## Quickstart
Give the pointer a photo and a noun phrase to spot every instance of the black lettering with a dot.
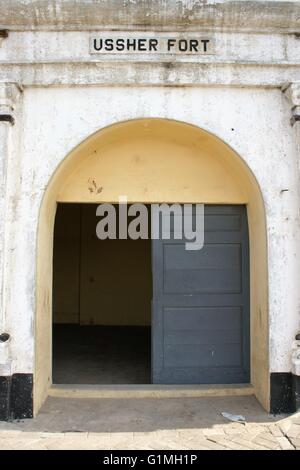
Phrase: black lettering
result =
(171, 43)
(142, 45)
(194, 45)
(153, 43)
(99, 46)
(131, 44)
(120, 45)
(205, 42)
(182, 44)
(109, 45)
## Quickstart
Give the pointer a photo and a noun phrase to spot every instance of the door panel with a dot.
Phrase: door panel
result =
(200, 307)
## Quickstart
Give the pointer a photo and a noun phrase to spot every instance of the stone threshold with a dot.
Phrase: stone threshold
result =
(149, 391)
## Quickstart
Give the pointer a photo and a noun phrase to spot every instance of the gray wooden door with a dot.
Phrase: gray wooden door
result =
(200, 306)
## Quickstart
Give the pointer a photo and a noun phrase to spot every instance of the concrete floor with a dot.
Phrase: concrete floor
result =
(101, 354)
(139, 423)
(152, 424)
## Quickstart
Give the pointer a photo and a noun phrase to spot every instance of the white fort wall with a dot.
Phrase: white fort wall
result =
(253, 122)
(58, 93)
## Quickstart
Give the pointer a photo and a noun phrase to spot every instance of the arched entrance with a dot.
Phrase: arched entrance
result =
(154, 160)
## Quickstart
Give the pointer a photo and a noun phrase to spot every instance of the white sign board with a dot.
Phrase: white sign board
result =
(151, 44)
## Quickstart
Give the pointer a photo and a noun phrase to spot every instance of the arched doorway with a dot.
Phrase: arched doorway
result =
(154, 160)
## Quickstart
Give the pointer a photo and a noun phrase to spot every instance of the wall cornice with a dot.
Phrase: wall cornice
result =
(256, 16)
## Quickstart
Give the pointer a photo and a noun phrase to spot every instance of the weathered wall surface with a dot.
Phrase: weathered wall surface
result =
(33, 14)
(68, 94)
(56, 120)
(62, 58)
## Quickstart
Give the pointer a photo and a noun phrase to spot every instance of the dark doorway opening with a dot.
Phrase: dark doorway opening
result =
(102, 292)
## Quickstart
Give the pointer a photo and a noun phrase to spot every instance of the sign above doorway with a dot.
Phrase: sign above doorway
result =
(151, 44)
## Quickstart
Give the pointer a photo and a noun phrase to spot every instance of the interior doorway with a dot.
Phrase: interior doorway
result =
(102, 293)
(110, 328)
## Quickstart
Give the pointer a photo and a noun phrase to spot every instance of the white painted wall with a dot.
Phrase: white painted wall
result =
(255, 122)
(25, 47)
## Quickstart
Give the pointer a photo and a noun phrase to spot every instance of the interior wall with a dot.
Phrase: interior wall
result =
(156, 160)
(98, 282)
(66, 264)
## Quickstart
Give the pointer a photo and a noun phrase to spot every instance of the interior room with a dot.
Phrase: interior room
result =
(102, 292)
